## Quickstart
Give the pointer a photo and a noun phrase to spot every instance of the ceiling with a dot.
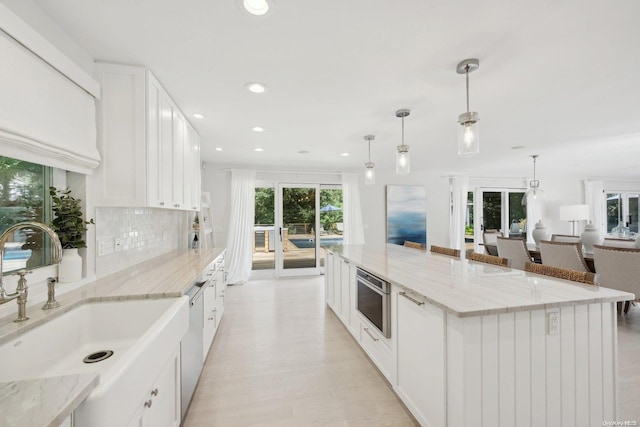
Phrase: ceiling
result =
(558, 78)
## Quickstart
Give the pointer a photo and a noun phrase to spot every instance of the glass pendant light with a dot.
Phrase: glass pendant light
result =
(369, 171)
(403, 161)
(534, 192)
(469, 131)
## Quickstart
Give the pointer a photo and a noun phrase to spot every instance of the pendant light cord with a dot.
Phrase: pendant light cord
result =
(402, 130)
(467, 73)
(369, 151)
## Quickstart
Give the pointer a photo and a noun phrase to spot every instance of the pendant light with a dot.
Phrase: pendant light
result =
(403, 161)
(468, 134)
(535, 192)
(369, 171)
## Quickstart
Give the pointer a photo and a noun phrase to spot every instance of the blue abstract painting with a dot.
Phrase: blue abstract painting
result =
(406, 214)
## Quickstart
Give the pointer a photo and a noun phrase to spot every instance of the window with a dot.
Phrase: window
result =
(264, 230)
(24, 196)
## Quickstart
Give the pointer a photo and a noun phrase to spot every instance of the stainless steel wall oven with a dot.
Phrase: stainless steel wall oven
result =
(374, 301)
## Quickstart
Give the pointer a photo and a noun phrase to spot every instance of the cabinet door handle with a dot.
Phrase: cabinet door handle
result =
(415, 301)
(213, 315)
(148, 403)
(194, 208)
(161, 203)
(176, 205)
(371, 335)
(154, 392)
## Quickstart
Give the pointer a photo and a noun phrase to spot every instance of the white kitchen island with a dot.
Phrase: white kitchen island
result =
(474, 344)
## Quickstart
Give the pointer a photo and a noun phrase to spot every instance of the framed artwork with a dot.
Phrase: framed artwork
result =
(406, 214)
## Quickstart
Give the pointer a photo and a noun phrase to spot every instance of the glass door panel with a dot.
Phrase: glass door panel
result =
(298, 230)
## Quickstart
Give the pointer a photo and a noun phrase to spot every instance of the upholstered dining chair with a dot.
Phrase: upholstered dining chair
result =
(488, 259)
(561, 273)
(414, 245)
(618, 268)
(619, 243)
(445, 251)
(563, 255)
(489, 238)
(565, 238)
(515, 250)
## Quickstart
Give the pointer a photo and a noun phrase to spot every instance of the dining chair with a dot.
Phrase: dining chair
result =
(619, 243)
(585, 277)
(565, 238)
(489, 238)
(488, 259)
(563, 255)
(515, 250)
(618, 268)
(445, 251)
(414, 245)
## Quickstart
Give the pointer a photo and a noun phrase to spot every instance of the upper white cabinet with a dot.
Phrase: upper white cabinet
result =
(151, 153)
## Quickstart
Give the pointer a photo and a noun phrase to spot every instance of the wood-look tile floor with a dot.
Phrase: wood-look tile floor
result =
(281, 358)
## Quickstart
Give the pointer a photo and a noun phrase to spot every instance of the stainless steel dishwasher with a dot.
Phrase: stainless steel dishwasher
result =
(191, 345)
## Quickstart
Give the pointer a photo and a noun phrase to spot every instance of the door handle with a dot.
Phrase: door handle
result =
(280, 229)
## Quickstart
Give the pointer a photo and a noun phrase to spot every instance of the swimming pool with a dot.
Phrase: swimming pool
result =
(311, 243)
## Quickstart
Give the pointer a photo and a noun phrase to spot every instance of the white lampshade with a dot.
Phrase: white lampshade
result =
(574, 212)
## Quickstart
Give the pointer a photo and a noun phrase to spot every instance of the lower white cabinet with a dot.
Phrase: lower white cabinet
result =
(421, 359)
(160, 406)
(210, 317)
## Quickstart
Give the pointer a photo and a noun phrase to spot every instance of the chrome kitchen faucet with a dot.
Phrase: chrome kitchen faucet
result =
(22, 290)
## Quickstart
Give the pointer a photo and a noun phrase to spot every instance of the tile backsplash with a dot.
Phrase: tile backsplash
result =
(128, 236)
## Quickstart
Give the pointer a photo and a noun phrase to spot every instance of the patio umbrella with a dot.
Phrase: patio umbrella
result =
(330, 208)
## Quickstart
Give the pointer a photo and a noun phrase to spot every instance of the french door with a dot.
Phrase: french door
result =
(499, 209)
(297, 225)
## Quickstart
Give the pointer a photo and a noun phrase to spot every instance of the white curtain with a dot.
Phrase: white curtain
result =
(351, 210)
(241, 219)
(594, 197)
(459, 188)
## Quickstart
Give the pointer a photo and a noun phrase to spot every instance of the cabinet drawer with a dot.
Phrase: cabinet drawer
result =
(376, 348)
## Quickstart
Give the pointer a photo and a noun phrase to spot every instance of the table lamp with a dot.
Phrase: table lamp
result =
(574, 213)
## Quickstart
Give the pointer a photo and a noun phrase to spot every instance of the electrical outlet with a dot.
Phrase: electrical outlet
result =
(118, 244)
(101, 248)
(553, 323)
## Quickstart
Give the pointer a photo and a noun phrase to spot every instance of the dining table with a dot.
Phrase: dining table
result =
(534, 252)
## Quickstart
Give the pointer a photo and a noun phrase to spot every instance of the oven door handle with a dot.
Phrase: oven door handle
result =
(372, 287)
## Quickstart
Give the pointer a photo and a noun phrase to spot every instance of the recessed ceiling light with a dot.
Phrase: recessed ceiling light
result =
(257, 129)
(258, 149)
(345, 154)
(218, 148)
(256, 87)
(256, 7)
(303, 152)
(517, 147)
(198, 116)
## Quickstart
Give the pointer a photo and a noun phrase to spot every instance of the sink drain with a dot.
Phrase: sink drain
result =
(98, 356)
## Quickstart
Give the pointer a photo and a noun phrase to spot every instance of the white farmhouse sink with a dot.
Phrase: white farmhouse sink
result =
(141, 333)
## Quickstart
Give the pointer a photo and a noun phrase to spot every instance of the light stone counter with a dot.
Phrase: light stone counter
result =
(468, 288)
(48, 401)
(43, 402)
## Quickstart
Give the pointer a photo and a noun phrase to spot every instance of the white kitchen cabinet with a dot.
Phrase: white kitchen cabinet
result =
(421, 358)
(160, 407)
(378, 348)
(210, 317)
(337, 286)
(328, 278)
(148, 147)
(345, 300)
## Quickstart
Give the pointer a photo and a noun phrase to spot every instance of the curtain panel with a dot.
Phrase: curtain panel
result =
(241, 222)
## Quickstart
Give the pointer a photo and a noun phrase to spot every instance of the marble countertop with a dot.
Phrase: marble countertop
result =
(48, 401)
(43, 402)
(468, 288)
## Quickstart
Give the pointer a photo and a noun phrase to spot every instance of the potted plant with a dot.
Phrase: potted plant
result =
(70, 226)
(196, 222)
